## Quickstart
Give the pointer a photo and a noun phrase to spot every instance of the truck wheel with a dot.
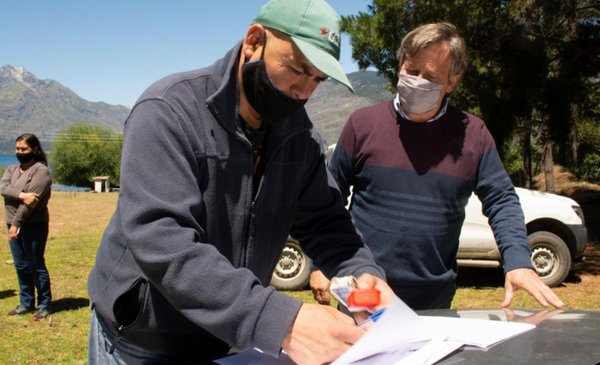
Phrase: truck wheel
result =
(550, 257)
(293, 269)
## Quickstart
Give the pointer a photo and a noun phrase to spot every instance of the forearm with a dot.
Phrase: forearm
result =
(324, 227)
(20, 217)
(6, 189)
(505, 216)
(335, 246)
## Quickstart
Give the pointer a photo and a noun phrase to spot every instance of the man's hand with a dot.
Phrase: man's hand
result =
(29, 199)
(529, 281)
(386, 295)
(368, 281)
(319, 335)
(319, 284)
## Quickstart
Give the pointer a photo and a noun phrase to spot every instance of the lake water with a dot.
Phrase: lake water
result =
(11, 159)
(7, 159)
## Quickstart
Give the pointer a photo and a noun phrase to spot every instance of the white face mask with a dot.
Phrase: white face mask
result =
(417, 95)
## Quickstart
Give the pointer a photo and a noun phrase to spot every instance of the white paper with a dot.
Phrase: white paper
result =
(476, 332)
(397, 326)
(401, 337)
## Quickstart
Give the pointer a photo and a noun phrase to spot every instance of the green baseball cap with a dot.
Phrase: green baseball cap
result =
(314, 27)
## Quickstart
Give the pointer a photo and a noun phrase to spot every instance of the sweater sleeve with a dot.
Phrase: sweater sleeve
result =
(502, 207)
(6, 189)
(40, 182)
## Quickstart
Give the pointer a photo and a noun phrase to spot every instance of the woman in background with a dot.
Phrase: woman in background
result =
(26, 191)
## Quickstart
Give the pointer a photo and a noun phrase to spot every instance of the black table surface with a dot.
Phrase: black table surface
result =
(560, 337)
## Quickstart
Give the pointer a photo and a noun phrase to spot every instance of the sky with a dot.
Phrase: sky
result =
(112, 50)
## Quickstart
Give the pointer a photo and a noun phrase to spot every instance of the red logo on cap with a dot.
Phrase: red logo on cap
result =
(331, 36)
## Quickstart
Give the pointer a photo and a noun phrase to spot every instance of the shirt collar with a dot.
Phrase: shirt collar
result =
(403, 115)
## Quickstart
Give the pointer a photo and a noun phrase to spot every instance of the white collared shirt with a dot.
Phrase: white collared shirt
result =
(403, 115)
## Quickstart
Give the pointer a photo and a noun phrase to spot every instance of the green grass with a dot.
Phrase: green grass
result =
(77, 223)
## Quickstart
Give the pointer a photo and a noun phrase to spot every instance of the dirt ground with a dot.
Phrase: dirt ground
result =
(584, 193)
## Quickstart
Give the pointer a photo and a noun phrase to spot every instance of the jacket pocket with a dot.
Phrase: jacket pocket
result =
(129, 306)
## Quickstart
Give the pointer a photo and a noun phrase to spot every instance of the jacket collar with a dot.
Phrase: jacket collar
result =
(224, 102)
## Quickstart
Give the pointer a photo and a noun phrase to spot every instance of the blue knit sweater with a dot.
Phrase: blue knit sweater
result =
(411, 182)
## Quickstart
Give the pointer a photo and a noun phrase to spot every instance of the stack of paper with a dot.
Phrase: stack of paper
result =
(401, 337)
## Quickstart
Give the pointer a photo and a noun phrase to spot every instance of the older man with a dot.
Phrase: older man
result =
(413, 163)
(219, 165)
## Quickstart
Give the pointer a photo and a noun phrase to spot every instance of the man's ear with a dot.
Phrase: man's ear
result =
(252, 40)
(453, 82)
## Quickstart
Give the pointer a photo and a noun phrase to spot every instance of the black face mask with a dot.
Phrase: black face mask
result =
(270, 103)
(25, 157)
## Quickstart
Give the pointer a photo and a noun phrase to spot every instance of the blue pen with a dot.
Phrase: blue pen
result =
(373, 317)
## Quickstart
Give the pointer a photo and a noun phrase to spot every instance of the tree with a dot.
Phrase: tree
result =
(533, 63)
(376, 36)
(83, 151)
(568, 32)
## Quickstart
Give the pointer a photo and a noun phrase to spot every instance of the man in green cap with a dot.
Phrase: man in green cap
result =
(219, 165)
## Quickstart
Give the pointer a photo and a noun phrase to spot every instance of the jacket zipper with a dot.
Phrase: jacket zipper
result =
(116, 340)
(250, 229)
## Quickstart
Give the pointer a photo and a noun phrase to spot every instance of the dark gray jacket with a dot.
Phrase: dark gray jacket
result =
(189, 254)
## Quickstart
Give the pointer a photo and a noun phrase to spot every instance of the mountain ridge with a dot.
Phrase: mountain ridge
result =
(47, 107)
(332, 103)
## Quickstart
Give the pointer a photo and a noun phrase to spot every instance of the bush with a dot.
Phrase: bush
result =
(83, 151)
(589, 169)
(589, 137)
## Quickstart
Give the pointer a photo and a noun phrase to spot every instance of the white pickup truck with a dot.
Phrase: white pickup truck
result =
(555, 227)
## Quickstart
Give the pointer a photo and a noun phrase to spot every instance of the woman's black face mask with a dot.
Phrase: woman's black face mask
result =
(270, 103)
(24, 157)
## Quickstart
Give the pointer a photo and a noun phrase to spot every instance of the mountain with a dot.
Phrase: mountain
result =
(332, 103)
(45, 107)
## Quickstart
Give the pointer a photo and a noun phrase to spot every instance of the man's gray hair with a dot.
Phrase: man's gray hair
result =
(427, 34)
